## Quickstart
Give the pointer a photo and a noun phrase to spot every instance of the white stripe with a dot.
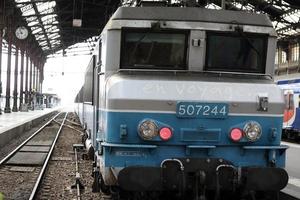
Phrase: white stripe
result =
(174, 112)
(255, 114)
(291, 144)
(139, 111)
(294, 181)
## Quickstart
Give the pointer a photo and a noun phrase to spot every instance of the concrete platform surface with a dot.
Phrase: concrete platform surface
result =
(293, 169)
(27, 158)
(12, 125)
(11, 120)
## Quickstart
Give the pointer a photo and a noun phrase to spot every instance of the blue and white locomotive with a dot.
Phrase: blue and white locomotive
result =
(182, 98)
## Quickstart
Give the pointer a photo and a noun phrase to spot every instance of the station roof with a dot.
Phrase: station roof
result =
(59, 24)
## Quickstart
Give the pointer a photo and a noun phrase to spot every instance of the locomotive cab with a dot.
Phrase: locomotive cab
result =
(184, 97)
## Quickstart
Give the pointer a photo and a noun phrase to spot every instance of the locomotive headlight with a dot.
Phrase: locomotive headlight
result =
(252, 131)
(147, 129)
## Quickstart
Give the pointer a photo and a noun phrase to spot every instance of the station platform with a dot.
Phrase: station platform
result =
(13, 124)
(293, 169)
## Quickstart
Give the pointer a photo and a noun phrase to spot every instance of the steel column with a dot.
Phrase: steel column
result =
(30, 84)
(33, 79)
(2, 25)
(41, 76)
(15, 93)
(37, 77)
(22, 76)
(37, 82)
(7, 108)
(26, 78)
(33, 85)
(1, 40)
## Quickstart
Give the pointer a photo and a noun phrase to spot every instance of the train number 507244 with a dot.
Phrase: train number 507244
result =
(201, 110)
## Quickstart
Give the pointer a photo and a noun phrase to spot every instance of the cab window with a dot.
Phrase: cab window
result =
(236, 52)
(148, 49)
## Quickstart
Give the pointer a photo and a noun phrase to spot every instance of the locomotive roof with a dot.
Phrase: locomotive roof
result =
(191, 14)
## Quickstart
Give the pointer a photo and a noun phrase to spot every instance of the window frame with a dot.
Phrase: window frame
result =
(88, 92)
(99, 57)
(124, 31)
(237, 35)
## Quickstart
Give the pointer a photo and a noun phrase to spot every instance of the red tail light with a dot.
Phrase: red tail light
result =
(236, 134)
(165, 133)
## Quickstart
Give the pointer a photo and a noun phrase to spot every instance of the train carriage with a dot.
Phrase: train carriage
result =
(183, 98)
(291, 121)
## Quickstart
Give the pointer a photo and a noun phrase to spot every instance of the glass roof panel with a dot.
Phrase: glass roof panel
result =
(33, 23)
(213, 6)
(26, 8)
(48, 17)
(42, 43)
(28, 12)
(47, 11)
(291, 18)
(30, 19)
(290, 32)
(53, 35)
(39, 37)
(42, 7)
(36, 30)
(22, 1)
(52, 28)
(41, 18)
(278, 25)
(243, 7)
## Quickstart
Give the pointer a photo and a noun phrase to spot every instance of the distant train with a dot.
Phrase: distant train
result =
(291, 122)
(182, 100)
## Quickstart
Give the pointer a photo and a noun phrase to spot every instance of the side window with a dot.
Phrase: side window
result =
(289, 101)
(99, 53)
(88, 82)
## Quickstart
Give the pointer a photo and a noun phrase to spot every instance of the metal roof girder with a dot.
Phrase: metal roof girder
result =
(39, 19)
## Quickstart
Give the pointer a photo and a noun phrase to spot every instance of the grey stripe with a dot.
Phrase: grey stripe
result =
(170, 106)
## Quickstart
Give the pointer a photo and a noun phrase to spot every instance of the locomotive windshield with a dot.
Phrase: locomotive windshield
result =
(236, 52)
(154, 50)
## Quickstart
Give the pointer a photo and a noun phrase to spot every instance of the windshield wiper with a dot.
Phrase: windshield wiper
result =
(249, 42)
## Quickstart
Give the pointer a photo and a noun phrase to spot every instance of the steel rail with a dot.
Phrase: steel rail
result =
(37, 183)
(21, 145)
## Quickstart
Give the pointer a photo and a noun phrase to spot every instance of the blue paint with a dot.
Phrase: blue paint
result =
(205, 126)
(283, 82)
(200, 135)
(124, 157)
(296, 123)
(216, 144)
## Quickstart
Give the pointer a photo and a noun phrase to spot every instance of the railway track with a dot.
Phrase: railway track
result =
(22, 170)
